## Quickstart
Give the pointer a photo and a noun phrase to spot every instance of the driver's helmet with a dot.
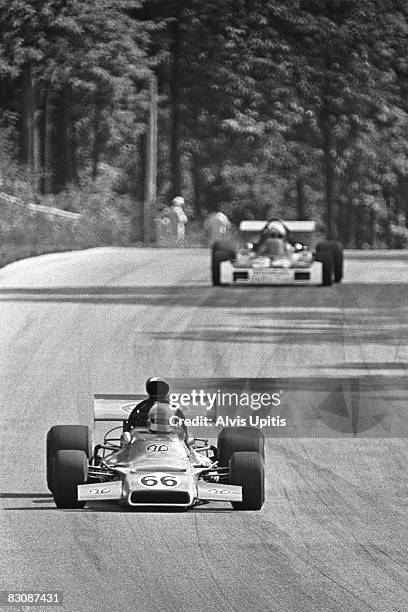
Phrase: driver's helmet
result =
(158, 419)
(275, 229)
(157, 388)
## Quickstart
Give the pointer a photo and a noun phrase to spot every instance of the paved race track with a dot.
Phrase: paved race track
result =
(333, 532)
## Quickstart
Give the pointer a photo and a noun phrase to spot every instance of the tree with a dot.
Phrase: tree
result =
(74, 63)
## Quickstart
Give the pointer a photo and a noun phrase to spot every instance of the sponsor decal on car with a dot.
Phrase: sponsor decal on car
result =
(219, 492)
(276, 274)
(99, 491)
(157, 448)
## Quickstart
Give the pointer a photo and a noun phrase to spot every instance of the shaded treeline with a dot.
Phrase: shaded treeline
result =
(295, 108)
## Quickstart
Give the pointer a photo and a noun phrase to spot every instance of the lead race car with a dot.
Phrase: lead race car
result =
(276, 252)
(152, 468)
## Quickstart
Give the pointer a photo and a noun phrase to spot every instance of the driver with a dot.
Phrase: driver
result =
(158, 393)
(157, 390)
(274, 240)
(159, 420)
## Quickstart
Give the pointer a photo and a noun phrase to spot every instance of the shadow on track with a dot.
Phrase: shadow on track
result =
(272, 334)
(372, 365)
(24, 495)
(392, 294)
(119, 510)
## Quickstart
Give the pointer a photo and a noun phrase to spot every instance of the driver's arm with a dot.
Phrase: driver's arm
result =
(138, 416)
(181, 416)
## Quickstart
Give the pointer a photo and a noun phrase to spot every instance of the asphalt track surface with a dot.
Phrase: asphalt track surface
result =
(333, 532)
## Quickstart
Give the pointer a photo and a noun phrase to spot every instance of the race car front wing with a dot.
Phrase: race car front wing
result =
(150, 490)
(234, 275)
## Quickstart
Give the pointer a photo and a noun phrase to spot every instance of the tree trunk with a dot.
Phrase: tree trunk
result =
(69, 159)
(360, 226)
(196, 178)
(50, 150)
(38, 117)
(64, 164)
(301, 198)
(27, 131)
(350, 227)
(149, 202)
(175, 123)
(96, 139)
(329, 179)
(373, 229)
(138, 193)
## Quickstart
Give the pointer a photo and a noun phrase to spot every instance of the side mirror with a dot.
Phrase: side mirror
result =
(190, 440)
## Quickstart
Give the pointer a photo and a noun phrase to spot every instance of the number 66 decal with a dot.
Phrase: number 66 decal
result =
(150, 480)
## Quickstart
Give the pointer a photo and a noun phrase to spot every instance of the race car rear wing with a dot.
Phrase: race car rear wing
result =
(115, 407)
(300, 230)
(293, 226)
(112, 407)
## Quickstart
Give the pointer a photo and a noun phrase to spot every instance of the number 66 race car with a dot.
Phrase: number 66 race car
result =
(278, 253)
(152, 468)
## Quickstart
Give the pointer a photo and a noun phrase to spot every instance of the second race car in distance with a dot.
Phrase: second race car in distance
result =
(276, 252)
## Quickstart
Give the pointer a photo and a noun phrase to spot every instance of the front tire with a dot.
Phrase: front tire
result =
(66, 437)
(237, 439)
(326, 258)
(70, 470)
(247, 470)
(222, 250)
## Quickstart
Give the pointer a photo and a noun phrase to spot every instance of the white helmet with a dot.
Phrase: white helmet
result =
(276, 229)
(178, 201)
(159, 418)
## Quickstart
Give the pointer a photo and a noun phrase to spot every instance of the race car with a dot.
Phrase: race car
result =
(144, 468)
(276, 252)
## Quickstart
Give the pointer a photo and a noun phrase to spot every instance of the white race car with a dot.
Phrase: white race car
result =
(145, 468)
(276, 252)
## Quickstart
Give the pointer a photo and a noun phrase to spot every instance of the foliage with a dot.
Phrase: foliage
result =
(295, 108)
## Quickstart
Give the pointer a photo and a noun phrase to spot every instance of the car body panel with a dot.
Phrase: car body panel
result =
(235, 274)
(114, 407)
(157, 469)
(219, 492)
(104, 491)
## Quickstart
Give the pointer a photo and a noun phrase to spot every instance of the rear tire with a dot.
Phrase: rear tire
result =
(66, 437)
(336, 249)
(338, 260)
(247, 470)
(70, 470)
(222, 250)
(236, 439)
(326, 258)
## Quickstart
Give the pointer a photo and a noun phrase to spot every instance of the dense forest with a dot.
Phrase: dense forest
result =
(295, 108)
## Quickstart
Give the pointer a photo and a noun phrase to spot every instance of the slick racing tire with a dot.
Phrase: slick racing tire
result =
(326, 258)
(247, 470)
(236, 439)
(66, 437)
(336, 249)
(222, 250)
(71, 470)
